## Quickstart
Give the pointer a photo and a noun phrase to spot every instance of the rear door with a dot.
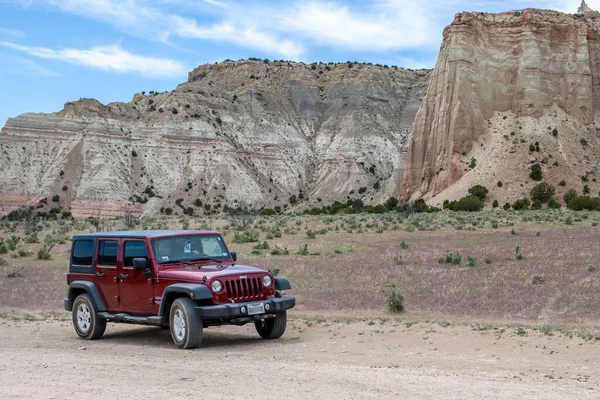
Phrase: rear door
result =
(106, 271)
(137, 290)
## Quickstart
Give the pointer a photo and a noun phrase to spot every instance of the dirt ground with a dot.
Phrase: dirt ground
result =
(41, 358)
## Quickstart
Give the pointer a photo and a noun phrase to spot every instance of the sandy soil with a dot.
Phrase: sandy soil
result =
(316, 358)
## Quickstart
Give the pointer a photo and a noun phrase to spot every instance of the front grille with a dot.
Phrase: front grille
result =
(244, 288)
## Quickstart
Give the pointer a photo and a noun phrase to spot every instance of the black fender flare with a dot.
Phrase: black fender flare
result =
(195, 291)
(282, 283)
(91, 289)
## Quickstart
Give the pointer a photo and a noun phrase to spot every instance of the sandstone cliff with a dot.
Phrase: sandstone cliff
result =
(502, 82)
(244, 131)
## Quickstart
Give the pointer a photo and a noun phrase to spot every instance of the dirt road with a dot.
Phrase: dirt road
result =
(44, 359)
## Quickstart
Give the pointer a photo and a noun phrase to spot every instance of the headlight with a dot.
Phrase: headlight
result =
(217, 286)
(267, 281)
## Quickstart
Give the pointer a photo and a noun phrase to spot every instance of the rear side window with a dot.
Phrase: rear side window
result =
(107, 252)
(134, 250)
(83, 251)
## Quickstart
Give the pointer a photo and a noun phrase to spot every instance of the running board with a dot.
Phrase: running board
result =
(134, 319)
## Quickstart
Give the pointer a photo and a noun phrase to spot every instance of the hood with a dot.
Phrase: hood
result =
(193, 273)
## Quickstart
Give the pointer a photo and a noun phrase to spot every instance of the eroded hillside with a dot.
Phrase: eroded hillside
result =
(245, 131)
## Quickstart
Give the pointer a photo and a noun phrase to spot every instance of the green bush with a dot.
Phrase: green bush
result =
(536, 172)
(246, 236)
(553, 204)
(469, 203)
(499, 183)
(536, 205)
(472, 163)
(478, 191)
(542, 192)
(394, 299)
(506, 206)
(521, 204)
(562, 183)
(579, 203)
(571, 194)
(495, 204)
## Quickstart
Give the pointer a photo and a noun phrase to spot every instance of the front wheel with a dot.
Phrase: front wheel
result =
(272, 328)
(86, 321)
(186, 327)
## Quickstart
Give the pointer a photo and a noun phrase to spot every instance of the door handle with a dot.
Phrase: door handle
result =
(123, 276)
(99, 274)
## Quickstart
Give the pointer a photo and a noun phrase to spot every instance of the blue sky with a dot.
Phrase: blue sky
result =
(55, 51)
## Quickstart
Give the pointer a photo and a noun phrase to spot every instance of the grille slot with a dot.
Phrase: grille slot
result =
(244, 289)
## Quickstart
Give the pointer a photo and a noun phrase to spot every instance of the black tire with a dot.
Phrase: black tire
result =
(186, 327)
(86, 321)
(272, 328)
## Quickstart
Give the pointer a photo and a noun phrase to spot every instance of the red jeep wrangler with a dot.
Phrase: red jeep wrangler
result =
(181, 280)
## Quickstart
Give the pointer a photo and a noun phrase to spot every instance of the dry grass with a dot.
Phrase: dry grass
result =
(352, 268)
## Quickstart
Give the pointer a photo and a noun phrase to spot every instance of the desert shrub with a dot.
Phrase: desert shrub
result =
(487, 260)
(584, 142)
(394, 299)
(3, 262)
(562, 183)
(518, 253)
(536, 172)
(246, 236)
(506, 206)
(278, 251)
(303, 251)
(451, 258)
(472, 163)
(404, 245)
(24, 252)
(44, 252)
(542, 192)
(521, 204)
(495, 204)
(274, 271)
(555, 132)
(133, 153)
(536, 205)
(571, 193)
(553, 204)
(3, 249)
(579, 203)
(472, 261)
(478, 191)
(469, 203)
(499, 184)
(537, 279)
(56, 198)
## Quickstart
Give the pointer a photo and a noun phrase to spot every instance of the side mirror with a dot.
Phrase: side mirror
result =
(140, 263)
(233, 255)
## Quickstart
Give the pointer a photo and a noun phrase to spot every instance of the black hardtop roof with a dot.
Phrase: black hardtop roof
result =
(140, 234)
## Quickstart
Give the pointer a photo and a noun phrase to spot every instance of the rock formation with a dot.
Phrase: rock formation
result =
(247, 131)
(502, 82)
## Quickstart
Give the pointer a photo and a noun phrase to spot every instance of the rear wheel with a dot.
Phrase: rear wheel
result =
(272, 328)
(186, 327)
(86, 321)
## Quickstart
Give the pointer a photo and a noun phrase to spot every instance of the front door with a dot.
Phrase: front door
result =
(137, 291)
(106, 271)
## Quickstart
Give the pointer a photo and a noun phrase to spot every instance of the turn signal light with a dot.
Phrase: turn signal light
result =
(271, 292)
(217, 297)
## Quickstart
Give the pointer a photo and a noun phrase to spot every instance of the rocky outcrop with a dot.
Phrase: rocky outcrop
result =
(246, 131)
(495, 74)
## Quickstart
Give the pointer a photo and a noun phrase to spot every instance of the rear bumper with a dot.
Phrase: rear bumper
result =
(234, 310)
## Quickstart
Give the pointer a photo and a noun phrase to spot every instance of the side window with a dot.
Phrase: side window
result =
(134, 249)
(107, 252)
(83, 250)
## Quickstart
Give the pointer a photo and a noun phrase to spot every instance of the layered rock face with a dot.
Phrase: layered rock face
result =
(246, 131)
(501, 82)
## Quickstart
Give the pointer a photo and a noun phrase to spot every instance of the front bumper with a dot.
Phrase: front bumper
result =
(234, 310)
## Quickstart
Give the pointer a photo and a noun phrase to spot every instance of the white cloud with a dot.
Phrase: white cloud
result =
(384, 27)
(24, 66)
(110, 58)
(11, 32)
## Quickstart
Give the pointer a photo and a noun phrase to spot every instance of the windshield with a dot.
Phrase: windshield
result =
(189, 247)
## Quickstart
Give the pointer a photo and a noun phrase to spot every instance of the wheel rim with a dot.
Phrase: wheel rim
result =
(179, 325)
(84, 318)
